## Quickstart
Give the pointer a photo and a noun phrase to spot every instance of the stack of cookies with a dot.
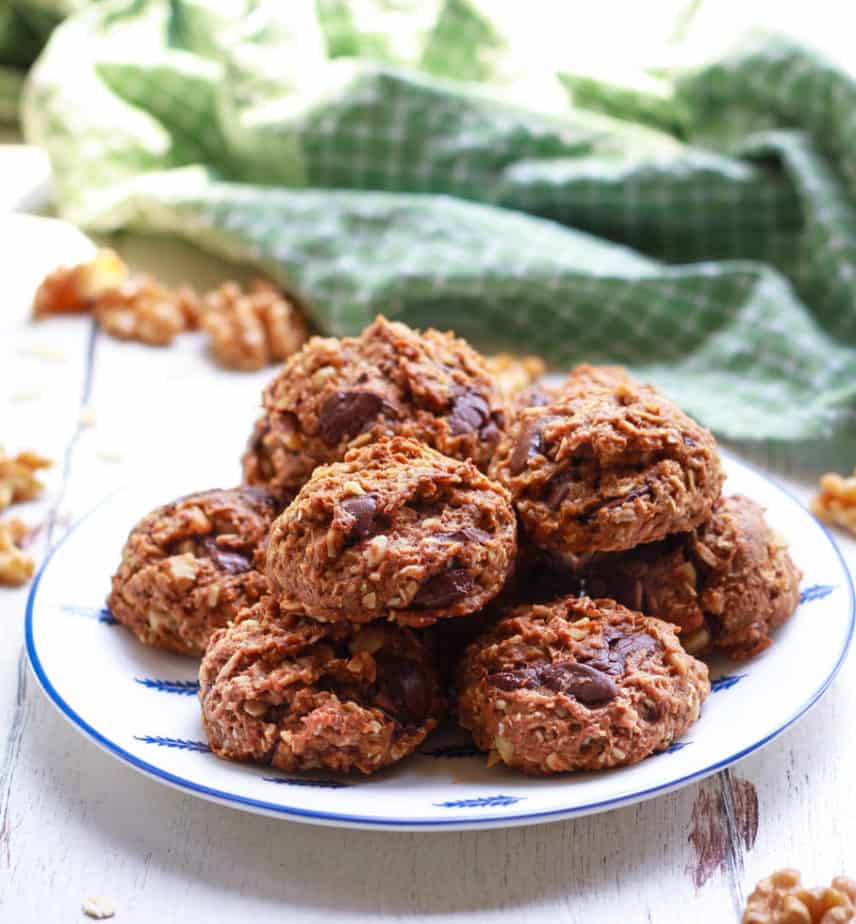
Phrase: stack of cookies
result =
(553, 562)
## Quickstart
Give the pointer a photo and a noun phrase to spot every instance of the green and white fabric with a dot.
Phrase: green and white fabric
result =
(706, 237)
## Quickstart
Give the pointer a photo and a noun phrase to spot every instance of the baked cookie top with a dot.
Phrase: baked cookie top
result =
(391, 380)
(189, 566)
(577, 684)
(280, 689)
(728, 584)
(396, 531)
(606, 468)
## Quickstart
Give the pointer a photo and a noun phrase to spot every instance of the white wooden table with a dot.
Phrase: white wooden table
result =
(74, 821)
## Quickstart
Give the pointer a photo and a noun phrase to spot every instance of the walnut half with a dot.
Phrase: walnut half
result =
(73, 289)
(142, 309)
(250, 330)
(782, 899)
(128, 307)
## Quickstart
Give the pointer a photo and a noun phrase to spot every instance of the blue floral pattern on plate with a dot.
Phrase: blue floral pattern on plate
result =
(182, 744)
(480, 802)
(182, 687)
(816, 592)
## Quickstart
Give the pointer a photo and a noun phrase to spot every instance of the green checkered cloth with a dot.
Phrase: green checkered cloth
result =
(705, 236)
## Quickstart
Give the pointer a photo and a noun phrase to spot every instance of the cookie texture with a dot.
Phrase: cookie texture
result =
(279, 689)
(188, 567)
(578, 684)
(391, 380)
(727, 584)
(605, 468)
(396, 531)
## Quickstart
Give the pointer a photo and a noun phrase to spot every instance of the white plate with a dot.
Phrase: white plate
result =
(139, 703)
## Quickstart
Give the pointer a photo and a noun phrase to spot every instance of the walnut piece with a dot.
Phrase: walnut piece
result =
(142, 309)
(17, 476)
(15, 567)
(782, 899)
(250, 330)
(512, 374)
(836, 501)
(73, 290)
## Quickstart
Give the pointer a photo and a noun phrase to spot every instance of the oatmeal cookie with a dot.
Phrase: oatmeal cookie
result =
(607, 468)
(279, 689)
(390, 381)
(188, 567)
(580, 684)
(727, 584)
(395, 531)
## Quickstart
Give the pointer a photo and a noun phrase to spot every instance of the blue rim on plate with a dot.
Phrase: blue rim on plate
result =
(364, 821)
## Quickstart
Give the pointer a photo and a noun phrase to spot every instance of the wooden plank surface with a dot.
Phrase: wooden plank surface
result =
(73, 821)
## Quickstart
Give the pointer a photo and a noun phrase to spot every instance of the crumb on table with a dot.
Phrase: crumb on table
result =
(98, 907)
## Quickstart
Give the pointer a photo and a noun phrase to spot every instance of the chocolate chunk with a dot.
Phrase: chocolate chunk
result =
(649, 711)
(618, 648)
(347, 413)
(524, 678)
(621, 648)
(467, 534)
(443, 589)
(641, 491)
(260, 497)
(469, 412)
(257, 438)
(363, 510)
(491, 431)
(225, 559)
(407, 684)
(558, 487)
(529, 443)
(585, 683)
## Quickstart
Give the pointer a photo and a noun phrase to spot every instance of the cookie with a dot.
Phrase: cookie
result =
(607, 468)
(395, 531)
(188, 567)
(279, 689)
(334, 395)
(579, 684)
(728, 584)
